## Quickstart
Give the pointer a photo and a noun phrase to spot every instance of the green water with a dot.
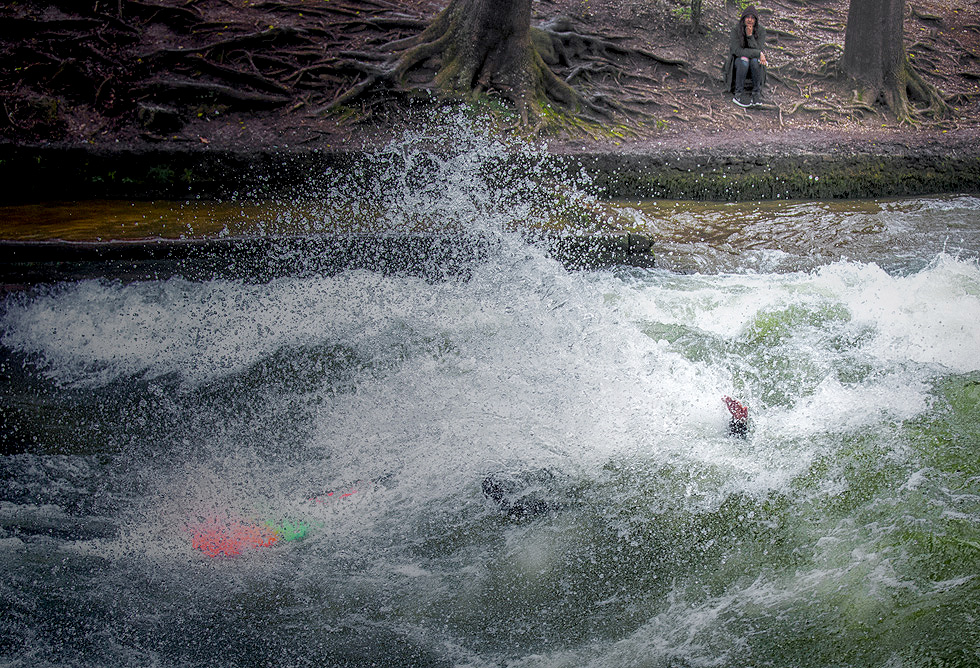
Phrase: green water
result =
(844, 531)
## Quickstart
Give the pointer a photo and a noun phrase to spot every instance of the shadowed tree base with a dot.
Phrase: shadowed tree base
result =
(475, 47)
(874, 56)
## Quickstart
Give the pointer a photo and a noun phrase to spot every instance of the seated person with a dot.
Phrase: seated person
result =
(746, 58)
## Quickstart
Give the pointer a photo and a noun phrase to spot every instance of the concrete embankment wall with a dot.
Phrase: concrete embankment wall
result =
(46, 173)
(433, 256)
(686, 175)
(32, 174)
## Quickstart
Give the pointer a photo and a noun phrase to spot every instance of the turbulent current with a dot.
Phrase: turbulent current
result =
(371, 407)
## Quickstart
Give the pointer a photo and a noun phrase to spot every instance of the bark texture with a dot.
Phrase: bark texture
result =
(478, 46)
(875, 57)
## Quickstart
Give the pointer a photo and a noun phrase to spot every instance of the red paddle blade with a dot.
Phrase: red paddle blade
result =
(736, 408)
(228, 539)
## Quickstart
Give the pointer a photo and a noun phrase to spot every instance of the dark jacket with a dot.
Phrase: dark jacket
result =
(756, 44)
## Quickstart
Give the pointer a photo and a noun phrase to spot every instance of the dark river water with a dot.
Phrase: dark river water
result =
(372, 410)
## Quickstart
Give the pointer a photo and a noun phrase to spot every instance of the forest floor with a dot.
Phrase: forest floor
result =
(261, 74)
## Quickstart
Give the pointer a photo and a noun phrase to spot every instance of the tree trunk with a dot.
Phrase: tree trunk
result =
(696, 14)
(874, 56)
(475, 46)
(486, 45)
(874, 49)
(489, 46)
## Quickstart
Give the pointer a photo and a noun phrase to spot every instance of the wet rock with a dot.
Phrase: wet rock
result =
(159, 119)
(36, 113)
(525, 494)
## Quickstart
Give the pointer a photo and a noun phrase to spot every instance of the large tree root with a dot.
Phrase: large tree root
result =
(179, 90)
(360, 56)
(930, 101)
(571, 74)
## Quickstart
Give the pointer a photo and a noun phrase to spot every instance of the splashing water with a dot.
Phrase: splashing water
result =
(445, 176)
(845, 530)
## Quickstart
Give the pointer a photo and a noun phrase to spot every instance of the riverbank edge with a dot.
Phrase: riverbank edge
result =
(435, 256)
(856, 169)
(799, 167)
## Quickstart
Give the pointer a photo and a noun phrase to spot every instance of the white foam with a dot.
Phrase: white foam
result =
(929, 317)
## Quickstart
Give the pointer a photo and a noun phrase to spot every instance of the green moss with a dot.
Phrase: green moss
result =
(58, 173)
(160, 174)
(793, 179)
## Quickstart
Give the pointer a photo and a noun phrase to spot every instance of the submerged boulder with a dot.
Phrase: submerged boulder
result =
(523, 494)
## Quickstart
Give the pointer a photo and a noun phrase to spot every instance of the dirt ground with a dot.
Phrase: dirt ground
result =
(255, 74)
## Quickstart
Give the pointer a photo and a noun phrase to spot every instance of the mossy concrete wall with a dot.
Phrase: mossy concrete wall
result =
(50, 172)
(433, 256)
(58, 173)
(720, 177)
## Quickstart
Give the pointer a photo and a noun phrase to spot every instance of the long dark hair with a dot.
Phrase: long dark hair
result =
(749, 11)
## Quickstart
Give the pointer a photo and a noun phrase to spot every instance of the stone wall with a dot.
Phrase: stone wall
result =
(49, 173)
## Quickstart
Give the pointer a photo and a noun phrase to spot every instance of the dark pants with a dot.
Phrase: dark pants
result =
(743, 67)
